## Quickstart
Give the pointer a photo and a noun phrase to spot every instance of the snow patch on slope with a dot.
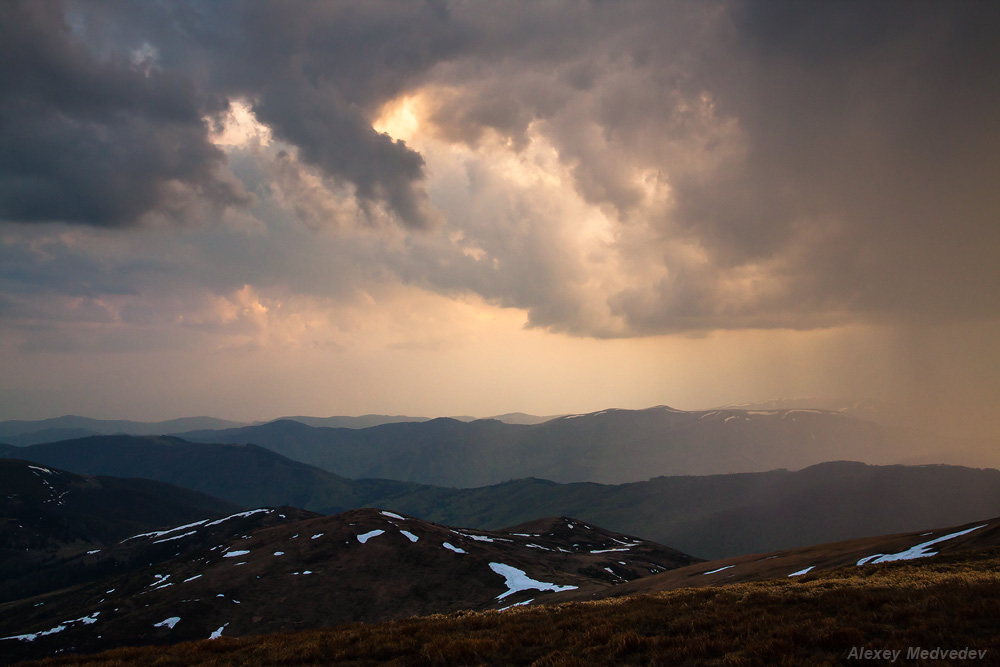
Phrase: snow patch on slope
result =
(168, 622)
(517, 580)
(918, 551)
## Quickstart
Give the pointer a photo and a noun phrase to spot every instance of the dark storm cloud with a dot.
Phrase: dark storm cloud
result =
(95, 141)
(870, 173)
(833, 162)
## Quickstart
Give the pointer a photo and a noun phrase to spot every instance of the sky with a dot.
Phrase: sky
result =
(254, 209)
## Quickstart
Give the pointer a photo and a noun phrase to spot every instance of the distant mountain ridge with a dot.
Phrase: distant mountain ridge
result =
(609, 446)
(17, 427)
(22, 432)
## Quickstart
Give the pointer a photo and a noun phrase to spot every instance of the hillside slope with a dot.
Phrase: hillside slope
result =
(49, 517)
(247, 475)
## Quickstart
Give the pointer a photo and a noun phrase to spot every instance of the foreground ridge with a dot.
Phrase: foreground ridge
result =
(948, 603)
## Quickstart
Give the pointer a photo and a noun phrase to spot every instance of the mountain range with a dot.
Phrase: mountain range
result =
(709, 516)
(609, 446)
(21, 432)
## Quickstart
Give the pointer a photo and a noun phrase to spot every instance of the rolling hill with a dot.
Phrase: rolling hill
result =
(364, 565)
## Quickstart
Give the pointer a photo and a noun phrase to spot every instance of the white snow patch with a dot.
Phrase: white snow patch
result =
(731, 417)
(159, 533)
(410, 536)
(720, 569)
(168, 622)
(91, 553)
(218, 633)
(175, 537)
(516, 604)
(234, 554)
(370, 534)
(448, 545)
(868, 559)
(239, 515)
(604, 551)
(316, 536)
(477, 538)
(279, 553)
(160, 578)
(573, 416)
(918, 551)
(45, 470)
(191, 578)
(517, 581)
(35, 635)
(393, 515)
(801, 572)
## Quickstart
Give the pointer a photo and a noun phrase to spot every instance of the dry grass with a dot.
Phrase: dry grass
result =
(948, 602)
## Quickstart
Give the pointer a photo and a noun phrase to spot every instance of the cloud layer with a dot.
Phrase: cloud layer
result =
(613, 170)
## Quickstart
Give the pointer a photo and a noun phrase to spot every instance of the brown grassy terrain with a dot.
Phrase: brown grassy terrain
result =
(949, 602)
